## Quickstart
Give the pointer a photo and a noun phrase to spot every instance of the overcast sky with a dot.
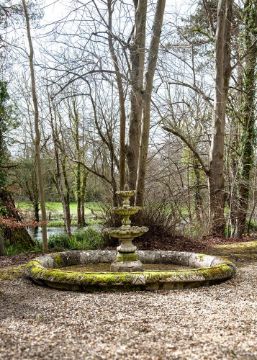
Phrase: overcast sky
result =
(56, 9)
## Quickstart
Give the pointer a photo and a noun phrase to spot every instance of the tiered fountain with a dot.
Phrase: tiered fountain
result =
(127, 258)
(126, 270)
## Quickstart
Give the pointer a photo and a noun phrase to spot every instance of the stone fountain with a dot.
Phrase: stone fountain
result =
(126, 269)
(127, 258)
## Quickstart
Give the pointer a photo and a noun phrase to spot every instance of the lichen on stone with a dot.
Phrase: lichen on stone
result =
(40, 271)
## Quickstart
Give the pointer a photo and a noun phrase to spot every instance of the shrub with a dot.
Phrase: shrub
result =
(58, 242)
(84, 239)
(159, 217)
(15, 249)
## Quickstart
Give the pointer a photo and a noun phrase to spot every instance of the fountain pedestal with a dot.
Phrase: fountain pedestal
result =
(127, 258)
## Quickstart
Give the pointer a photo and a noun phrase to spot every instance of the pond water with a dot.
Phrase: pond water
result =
(36, 233)
(105, 267)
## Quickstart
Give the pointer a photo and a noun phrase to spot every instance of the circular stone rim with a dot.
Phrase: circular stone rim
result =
(207, 270)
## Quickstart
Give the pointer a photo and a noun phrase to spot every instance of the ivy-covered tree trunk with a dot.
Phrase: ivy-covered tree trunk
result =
(36, 211)
(11, 229)
(83, 195)
(248, 112)
(1, 244)
(78, 192)
(14, 234)
(197, 192)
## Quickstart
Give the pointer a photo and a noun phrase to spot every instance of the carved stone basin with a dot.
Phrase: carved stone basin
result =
(126, 211)
(127, 233)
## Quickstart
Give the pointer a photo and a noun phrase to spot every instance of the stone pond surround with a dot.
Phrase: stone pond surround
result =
(207, 270)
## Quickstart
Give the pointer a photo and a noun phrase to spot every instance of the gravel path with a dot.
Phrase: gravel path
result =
(218, 322)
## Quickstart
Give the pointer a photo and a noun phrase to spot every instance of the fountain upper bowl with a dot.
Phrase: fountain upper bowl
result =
(126, 211)
(127, 232)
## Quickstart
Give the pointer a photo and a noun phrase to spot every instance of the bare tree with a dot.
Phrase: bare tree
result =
(37, 128)
(216, 172)
(147, 95)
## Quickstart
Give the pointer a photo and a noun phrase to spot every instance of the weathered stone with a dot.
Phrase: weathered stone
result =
(216, 270)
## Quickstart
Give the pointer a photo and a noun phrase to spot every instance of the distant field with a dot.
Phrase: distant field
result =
(56, 207)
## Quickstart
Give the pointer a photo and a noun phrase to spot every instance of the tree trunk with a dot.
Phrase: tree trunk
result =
(248, 113)
(14, 235)
(36, 210)
(66, 198)
(152, 60)
(197, 193)
(216, 174)
(122, 162)
(137, 57)
(37, 130)
(78, 191)
(83, 195)
(1, 244)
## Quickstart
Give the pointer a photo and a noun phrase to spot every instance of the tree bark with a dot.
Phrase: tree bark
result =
(83, 195)
(1, 244)
(149, 76)
(248, 112)
(61, 180)
(37, 130)
(122, 161)
(137, 57)
(14, 235)
(197, 194)
(78, 191)
(216, 173)
(36, 211)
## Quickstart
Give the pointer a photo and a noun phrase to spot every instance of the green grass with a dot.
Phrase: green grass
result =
(60, 223)
(56, 207)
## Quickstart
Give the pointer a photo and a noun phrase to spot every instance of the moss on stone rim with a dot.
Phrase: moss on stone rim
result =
(121, 257)
(146, 280)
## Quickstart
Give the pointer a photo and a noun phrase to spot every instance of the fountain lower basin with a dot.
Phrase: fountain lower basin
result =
(202, 270)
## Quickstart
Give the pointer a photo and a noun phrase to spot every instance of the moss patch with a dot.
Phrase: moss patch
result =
(239, 252)
(58, 260)
(122, 257)
(147, 280)
(11, 272)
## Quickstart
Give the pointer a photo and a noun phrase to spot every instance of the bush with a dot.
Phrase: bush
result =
(58, 242)
(86, 239)
(15, 249)
(160, 218)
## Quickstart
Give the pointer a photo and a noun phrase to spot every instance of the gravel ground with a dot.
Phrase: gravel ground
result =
(218, 322)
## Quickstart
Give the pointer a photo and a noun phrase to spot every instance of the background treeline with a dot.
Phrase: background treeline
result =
(114, 92)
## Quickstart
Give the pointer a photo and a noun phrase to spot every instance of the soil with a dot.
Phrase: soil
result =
(181, 243)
